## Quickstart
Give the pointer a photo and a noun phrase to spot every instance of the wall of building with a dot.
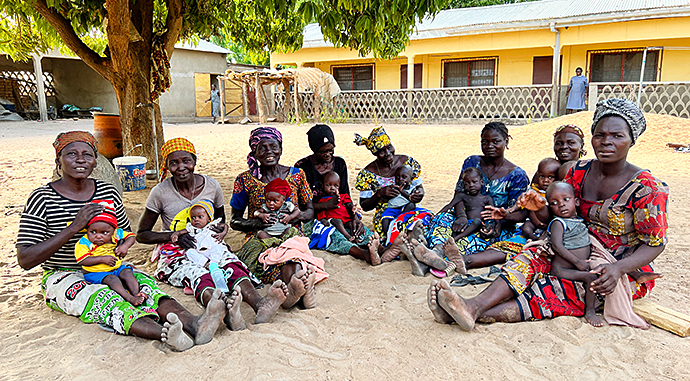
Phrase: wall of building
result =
(179, 102)
(516, 50)
(77, 84)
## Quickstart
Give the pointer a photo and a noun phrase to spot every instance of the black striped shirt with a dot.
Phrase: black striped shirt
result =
(47, 213)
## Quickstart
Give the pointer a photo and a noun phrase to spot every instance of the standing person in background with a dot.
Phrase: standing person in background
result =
(577, 92)
(215, 102)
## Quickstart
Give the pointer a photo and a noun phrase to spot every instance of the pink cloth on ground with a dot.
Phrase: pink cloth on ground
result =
(295, 248)
(618, 305)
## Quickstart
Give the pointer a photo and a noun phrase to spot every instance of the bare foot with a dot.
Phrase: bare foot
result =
(593, 319)
(440, 315)
(268, 306)
(455, 306)
(393, 251)
(641, 276)
(417, 232)
(137, 299)
(428, 256)
(418, 269)
(309, 297)
(173, 335)
(450, 250)
(207, 324)
(296, 288)
(233, 317)
(374, 245)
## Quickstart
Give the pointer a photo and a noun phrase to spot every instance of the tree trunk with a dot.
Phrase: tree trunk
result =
(134, 99)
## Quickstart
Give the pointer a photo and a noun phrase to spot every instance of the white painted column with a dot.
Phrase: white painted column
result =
(556, 79)
(592, 105)
(42, 104)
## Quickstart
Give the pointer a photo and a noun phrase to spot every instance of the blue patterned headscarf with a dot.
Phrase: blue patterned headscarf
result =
(258, 134)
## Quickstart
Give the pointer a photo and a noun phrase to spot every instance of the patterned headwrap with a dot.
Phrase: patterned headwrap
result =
(108, 215)
(376, 140)
(173, 145)
(206, 204)
(279, 186)
(625, 109)
(319, 136)
(574, 130)
(65, 138)
(258, 134)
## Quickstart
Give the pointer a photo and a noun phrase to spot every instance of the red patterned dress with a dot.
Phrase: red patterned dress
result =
(633, 216)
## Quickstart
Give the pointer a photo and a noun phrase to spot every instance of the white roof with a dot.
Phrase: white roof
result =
(201, 46)
(527, 15)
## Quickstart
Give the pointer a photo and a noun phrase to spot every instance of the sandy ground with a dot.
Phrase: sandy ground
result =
(371, 323)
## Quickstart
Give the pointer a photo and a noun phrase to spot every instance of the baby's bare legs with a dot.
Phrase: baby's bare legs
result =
(128, 278)
(528, 230)
(341, 228)
(642, 277)
(115, 284)
(262, 234)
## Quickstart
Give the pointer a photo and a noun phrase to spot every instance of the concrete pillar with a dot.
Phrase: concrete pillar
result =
(556, 80)
(42, 104)
(592, 97)
(410, 85)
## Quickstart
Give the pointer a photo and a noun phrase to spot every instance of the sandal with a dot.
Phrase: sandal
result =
(450, 269)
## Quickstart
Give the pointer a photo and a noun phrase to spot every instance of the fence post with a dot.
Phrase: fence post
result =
(593, 97)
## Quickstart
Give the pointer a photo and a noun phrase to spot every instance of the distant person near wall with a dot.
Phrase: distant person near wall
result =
(577, 92)
(215, 102)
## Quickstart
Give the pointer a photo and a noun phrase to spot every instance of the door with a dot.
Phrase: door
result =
(233, 98)
(202, 92)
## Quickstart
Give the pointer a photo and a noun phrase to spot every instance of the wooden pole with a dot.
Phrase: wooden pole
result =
(245, 99)
(287, 105)
(260, 100)
(221, 84)
(296, 94)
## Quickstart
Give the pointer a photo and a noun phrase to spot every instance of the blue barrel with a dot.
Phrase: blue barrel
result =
(132, 171)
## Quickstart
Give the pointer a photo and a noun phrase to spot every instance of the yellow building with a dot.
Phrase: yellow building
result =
(510, 48)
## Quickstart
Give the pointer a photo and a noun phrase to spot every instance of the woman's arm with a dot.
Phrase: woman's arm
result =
(329, 204)
(29, 256)
(306, 214)
(145, 233)
(246, 225)
(611, 272)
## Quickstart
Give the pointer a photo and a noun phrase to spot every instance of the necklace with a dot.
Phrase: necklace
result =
(193, 187)
(495, 170)
(379, 170)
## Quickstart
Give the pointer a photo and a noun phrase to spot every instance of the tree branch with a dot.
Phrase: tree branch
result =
(173, 25)
(69, 37)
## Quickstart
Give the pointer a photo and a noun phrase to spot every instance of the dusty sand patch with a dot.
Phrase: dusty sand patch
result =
(370, 323)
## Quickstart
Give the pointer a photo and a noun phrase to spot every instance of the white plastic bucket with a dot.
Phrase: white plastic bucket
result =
(132, 171)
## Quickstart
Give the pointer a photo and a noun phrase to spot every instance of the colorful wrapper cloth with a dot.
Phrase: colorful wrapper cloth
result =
(65, 138)
(173, 145)
(258, 134)
(378, 138)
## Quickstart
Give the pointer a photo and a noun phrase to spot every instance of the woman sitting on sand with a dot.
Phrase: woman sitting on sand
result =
(266, 148)
(51, 224)
(170, 200)
(624, 208)
(503, 181)
(376, 183)
(568, 146)
(322, 161)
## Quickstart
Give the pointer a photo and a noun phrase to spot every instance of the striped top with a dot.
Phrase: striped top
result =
(47, 213)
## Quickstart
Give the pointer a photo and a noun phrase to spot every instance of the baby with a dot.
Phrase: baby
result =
(100, 254)
(401, 203)
(207, 249)
(469, 204)
(547, 173)
(342, 216)
(276, 211)
(569, 239)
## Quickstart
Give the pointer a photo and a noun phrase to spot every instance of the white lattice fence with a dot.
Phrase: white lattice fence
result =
(506, 102)
(670, 98)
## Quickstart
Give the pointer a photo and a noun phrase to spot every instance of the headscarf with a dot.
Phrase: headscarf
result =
(65, 138)
(625, 109)
(574, 130)
(376, 140)
(173, 145)
(319, 136)
(108, 215)
(206, 204)
(258, 134)
(279, 186)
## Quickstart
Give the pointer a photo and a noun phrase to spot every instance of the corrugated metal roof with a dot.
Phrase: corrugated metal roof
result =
(202, 46)
(455, 22)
